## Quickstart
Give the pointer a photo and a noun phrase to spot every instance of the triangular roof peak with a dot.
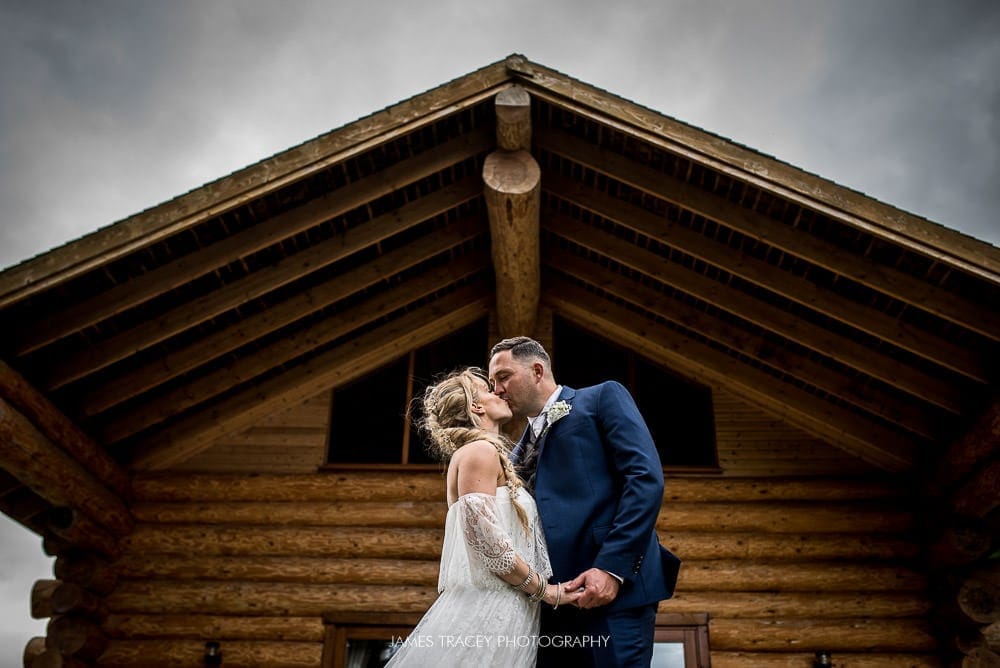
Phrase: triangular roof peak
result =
(863, 325)
(190, 209)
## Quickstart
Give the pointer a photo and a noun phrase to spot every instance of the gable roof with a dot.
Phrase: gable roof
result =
(871, 328)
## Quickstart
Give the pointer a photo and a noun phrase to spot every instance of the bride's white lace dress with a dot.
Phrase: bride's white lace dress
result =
(478, 619)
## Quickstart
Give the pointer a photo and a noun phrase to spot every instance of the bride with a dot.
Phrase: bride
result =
(494, 563)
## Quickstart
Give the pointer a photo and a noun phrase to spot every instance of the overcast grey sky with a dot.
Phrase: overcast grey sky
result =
(109, 108)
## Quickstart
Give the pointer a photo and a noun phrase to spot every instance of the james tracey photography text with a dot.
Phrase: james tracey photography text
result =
(497, 641)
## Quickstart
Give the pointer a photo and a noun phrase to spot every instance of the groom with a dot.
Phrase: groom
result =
(598, 483)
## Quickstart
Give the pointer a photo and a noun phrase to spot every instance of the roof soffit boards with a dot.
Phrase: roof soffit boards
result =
(726, 265)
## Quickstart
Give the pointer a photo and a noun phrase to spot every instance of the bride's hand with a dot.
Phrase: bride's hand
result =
(557, 594)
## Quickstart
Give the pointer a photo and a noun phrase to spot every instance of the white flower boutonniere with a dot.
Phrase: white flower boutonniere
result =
(558, 411)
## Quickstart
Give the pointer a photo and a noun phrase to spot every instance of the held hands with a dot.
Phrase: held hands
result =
(591, 589)
(561, 594)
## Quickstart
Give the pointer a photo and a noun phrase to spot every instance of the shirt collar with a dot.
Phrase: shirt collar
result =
(537, 423)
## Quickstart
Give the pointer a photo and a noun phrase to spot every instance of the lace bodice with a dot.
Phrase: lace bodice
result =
(482, 536)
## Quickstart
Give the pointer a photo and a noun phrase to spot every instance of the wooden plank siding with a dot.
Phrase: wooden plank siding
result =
(291, 441)
(252, 554)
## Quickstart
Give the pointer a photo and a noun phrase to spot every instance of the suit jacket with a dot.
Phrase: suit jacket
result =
(599, 488)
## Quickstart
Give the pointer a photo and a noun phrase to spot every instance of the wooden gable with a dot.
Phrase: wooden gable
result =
(142, 360)
(174, 329)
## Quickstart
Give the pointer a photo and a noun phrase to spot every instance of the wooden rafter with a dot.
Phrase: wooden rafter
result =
(210, 258)
(280, 352)
(329, 369)
(841, 427)
(276, 316)
(185, 316)
(855, 209)
(777, 320)
(758, 272)
(861, 269)
(248, 184)
(782, 360)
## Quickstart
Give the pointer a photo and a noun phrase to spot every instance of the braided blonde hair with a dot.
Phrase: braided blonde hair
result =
(448, 423)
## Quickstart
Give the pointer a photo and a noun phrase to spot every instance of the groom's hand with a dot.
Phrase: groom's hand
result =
(597, 588)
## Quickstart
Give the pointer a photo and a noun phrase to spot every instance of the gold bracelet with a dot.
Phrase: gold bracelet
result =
(558, 596)
(524, 584)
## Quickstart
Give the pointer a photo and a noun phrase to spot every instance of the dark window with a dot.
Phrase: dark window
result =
(677, 411)
(369, 423)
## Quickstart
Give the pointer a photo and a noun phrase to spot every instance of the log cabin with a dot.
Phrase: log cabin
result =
(203, 407)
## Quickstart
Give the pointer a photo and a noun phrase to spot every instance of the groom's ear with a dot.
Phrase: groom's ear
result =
(537, 371)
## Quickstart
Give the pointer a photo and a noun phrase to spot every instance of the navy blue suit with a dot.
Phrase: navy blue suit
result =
(599, 488)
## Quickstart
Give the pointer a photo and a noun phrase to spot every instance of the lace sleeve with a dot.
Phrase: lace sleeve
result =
(484, 534)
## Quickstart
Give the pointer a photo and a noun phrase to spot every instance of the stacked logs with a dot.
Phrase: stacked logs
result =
(48, 453)
(75, 600)
(964, 553)
(785, 567)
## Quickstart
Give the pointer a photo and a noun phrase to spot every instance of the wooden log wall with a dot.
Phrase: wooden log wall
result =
(784, 567)
(964, 571)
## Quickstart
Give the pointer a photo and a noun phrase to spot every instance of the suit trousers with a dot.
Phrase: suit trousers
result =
(597, 638)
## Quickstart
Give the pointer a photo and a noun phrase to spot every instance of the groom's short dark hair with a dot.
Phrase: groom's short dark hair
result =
(522, 348)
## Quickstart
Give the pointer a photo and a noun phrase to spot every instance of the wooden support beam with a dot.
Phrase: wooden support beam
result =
(143, 414)
(54, 475)
(513, 195)
(850, 431)
(512, 189)
(883, 366)
(329, 369)
(784, 361)
(59, 429)
(210, 258)
(513, 110)
(256, 284)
